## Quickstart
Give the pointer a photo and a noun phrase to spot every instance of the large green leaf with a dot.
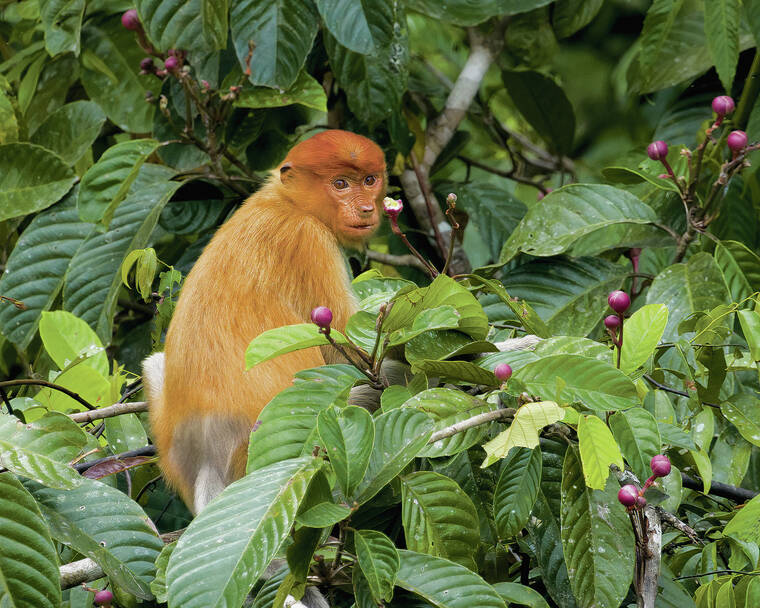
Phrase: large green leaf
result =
(375, 83)
(28, 562)
(687, 288)
(31, 178)
(745, 525)
(290, 418)
(543, 103)
(520, 594)
(641, 334)
(282, 32)
(722, 19)
(111, 62)
(455, 371)
(581, 209)
(113, 530)
(347, 435)
(67, 338)
(472, 12)
(517, 490)
(743, 411)
(37, 266)
(93, 280)
(638, 436)
(281, 340)
(348, 21)
(741, 268)
(598, 451)
(107, 182)
(596, 537)
(444, 584)
(235, 537)
(63, 23)
(306, 91)
(750, 324)
(430, 319)
(520, 308)
(70, 130)
(197, 25)
(41, 450)
(571, 15)
(438, 517)
(446, 407)
(378, 558)
(400, 435)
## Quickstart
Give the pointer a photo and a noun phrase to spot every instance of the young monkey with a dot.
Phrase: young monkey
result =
(269, 265)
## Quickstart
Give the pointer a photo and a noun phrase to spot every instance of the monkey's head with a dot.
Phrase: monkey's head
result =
(338, 177)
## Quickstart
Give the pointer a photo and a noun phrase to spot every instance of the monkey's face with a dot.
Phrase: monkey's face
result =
(355, 200)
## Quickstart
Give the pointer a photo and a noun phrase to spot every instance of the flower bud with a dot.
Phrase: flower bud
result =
(171, 63)
(657, 150)
(322, 316)
(619, 301)
(103, 598)
(503, 372)
(628, 494)
(660, 465)
(723, 105)
(147, 66)
(612, 322)
(641, 502)
(392, 207)
(451, 198)
(737, 140)
(131, 21)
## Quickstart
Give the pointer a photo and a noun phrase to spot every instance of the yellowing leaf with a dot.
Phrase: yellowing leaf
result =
(598, 451)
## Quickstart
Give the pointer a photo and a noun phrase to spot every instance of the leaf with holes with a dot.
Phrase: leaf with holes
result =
(517, 490)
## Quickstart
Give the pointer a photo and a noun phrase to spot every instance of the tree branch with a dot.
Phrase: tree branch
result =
(396, 260)
(117, 409)
(464, 425)
(44, 383)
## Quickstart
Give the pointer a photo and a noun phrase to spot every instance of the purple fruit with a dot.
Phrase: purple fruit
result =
(628, 494)
(322, 316)
(130, 20)
(619, 301)
(660, 465)
(657, 150)
(737, 140)
(723, 105)
(503, 372)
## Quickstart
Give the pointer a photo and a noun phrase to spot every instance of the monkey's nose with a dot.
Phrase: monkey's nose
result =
(367, 208)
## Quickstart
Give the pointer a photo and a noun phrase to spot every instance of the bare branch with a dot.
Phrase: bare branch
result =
(464, 425)
(116, 409)
(82, 571)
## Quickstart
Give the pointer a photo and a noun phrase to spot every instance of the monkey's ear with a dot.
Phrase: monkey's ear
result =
(284, 168)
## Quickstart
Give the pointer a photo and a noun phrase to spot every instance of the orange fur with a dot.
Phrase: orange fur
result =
(275, 260)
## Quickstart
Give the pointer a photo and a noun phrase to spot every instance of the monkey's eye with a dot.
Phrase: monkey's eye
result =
(340, 184)
(370, 180)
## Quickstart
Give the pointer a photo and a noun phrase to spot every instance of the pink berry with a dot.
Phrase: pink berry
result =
(628, 494)
(146, 66)
(130, 20)
(322, 316)
(171, 63)
(723, 105)
(103, 598)
(503, 372)
(660, 465)
(657, 150)
(612, 322)
(641, 502)
(737, 140)
(619, 301)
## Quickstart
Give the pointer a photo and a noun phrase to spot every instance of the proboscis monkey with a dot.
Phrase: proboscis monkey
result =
(269, 265)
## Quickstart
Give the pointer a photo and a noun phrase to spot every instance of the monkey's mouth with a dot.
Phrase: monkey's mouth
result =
(364, 227)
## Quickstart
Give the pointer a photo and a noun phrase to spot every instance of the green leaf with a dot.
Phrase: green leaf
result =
(445, 407)
(399, 436)
(543, 103)
(441, 317)
(107, 182)
(568, 345)
(158, 584)
(347, 436)
(348, 21)
(520, 594)
(569, 16)
(596, 538)
(740, 266)
(375, 83)
(200, 25)
(236, 536)
(287, 339)
(627, 176)
(523, 432)
(290, 419)
(722, 31)
(31, 178)
(745, 525)
(520, 308)
(517, 490)
(596, 384)
(743, 411)
(283, 32)
(379, 561)
(581, 209)
(323, 515)
(93, 280)
(37, 266)
(750, 322)
(438, 517)
(638, 436)
(466, 12)
(443, 291)
(687, 288)
(28, 562)
(67, 338)
(8, 120)
(641, 334)
(121, 97)
(112, 530)
(40, 450)
(455, 371)
(305, 91)
(443, 583)
(63, 23)
(598, 451)
(70, 130)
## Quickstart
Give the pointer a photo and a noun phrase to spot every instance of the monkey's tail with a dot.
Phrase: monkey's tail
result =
(153, 378)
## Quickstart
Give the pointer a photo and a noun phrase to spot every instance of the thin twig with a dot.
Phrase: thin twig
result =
(117, 409)
(55, 387)
(674, 391)
(676, 523)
